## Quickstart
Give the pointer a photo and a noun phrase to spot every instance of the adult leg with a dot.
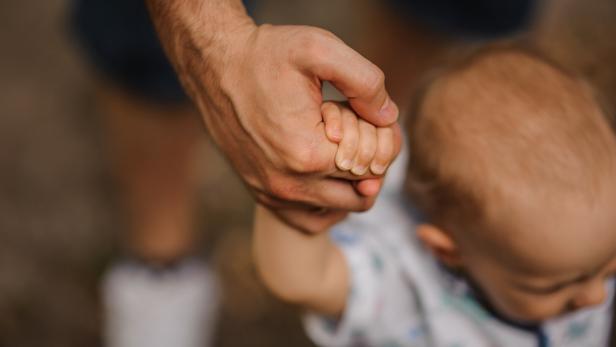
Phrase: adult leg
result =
(160, 295)
(154, 151)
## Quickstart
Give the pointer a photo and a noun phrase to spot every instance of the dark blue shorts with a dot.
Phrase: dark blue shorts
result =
(118, 37)
(472, 19)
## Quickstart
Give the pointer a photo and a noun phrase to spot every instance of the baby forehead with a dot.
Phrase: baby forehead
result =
(504, 126)
(556, 235)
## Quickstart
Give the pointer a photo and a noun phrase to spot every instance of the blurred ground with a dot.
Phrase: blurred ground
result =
(58, 221)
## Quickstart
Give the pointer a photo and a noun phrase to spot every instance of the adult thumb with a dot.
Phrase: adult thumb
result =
(358, 79)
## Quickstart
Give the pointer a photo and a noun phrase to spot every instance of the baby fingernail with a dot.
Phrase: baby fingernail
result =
(359, 170)
(345, 164)
(377, 169)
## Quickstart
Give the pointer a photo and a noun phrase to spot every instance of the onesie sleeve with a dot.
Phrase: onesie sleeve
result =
(379, 307)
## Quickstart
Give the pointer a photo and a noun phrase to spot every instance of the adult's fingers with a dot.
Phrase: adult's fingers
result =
(362, 82)
(339, 194)
(321, 192)
(349, 176)
(369, 187)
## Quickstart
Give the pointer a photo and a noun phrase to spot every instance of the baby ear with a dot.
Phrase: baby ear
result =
(440, 244)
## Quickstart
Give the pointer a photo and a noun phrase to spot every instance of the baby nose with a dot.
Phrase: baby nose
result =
(591, 295)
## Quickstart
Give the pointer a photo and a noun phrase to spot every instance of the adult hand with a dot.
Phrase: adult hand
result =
(259, 91)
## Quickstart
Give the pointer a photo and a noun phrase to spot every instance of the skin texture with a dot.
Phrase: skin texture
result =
(526, 282)
(308, 269)
(544, 162)
(153, 151)
(527, 171)
(258, 89)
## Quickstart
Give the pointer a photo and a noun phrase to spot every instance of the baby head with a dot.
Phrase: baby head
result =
(513, 163)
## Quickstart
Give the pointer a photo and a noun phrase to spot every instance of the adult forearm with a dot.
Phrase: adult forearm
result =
(197, 34)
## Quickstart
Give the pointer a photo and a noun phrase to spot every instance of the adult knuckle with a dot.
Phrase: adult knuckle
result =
(303, 159)
(312, 43)
(303, 166)
(301, 163)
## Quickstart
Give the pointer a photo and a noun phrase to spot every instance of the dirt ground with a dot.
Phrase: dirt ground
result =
(59, 220)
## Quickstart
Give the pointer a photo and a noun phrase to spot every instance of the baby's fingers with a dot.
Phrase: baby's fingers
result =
(350, 139)
(333, 121)
(366, 148)
(385, 151)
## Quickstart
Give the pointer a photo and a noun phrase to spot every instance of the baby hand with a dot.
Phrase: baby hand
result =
(361, 145)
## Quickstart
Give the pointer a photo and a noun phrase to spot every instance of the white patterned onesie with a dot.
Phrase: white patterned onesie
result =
(400, 296)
